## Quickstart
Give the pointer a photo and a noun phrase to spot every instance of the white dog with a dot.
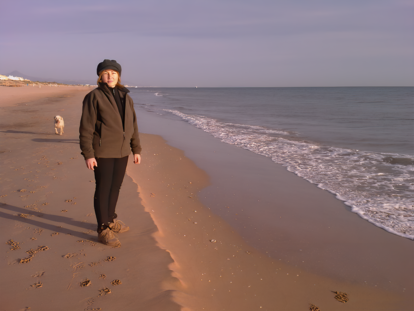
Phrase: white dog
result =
(59, 125)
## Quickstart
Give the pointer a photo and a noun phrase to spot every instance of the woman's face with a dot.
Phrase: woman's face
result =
(110, 77)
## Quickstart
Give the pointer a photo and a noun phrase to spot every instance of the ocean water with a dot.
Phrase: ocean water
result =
(357, 143)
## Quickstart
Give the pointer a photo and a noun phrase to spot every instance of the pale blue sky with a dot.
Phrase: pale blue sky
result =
(213, 43)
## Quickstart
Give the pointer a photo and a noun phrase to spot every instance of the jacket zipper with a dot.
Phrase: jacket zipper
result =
(123, 141)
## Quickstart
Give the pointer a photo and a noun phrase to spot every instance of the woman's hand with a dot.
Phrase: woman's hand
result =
(137, 158)
(91, 163)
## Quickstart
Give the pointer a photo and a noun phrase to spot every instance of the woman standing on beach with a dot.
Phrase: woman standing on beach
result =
(108, 132)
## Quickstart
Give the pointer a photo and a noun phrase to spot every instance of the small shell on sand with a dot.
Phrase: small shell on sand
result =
(213, 241)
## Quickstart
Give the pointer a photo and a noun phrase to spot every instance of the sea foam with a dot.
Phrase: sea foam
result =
(377, 186)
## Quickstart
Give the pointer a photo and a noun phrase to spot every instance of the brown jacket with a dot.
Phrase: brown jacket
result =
(101, 133)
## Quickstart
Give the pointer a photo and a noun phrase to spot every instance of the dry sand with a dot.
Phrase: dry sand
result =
(178, 255)
(46, 199)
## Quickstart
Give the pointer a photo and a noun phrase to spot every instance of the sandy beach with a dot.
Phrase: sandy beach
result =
(199, 237)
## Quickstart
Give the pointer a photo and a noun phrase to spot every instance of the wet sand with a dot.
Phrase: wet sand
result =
(183, 251)
(288, 218)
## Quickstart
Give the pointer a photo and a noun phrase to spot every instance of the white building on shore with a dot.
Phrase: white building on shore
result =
(16, 78)
(3, 77)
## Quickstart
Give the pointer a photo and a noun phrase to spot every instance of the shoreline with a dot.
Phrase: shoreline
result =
(211, 267)
(280, 214)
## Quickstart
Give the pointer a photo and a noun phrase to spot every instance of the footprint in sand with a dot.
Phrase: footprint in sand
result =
(26, 260)
(24, 215)
(85, 283)
(14, 245)
(38, 249)
(79, 265)
(104, 291)
(90, 242)
(32, 253)
(341, 297)
(314, 308)
(116, 282)
(37, 285)
(70, 255)
(38, 274)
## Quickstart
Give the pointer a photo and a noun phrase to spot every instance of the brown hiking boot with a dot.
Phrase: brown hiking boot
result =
(118, 226)
(107, 237)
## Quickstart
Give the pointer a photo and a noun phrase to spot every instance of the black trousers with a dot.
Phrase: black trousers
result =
(109, 175)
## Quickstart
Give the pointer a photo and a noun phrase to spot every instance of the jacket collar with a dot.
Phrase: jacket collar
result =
(105, 88)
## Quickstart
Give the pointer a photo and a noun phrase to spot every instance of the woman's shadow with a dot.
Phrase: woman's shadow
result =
(34, 218)
(44, 140)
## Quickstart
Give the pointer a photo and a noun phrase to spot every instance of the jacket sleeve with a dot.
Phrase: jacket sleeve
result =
(135, 142)
(87, 126)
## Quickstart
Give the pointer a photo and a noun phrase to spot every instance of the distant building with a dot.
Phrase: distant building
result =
(16, 78)
(3, 77)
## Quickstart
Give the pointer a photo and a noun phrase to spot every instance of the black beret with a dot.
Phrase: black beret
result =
(109, 64)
